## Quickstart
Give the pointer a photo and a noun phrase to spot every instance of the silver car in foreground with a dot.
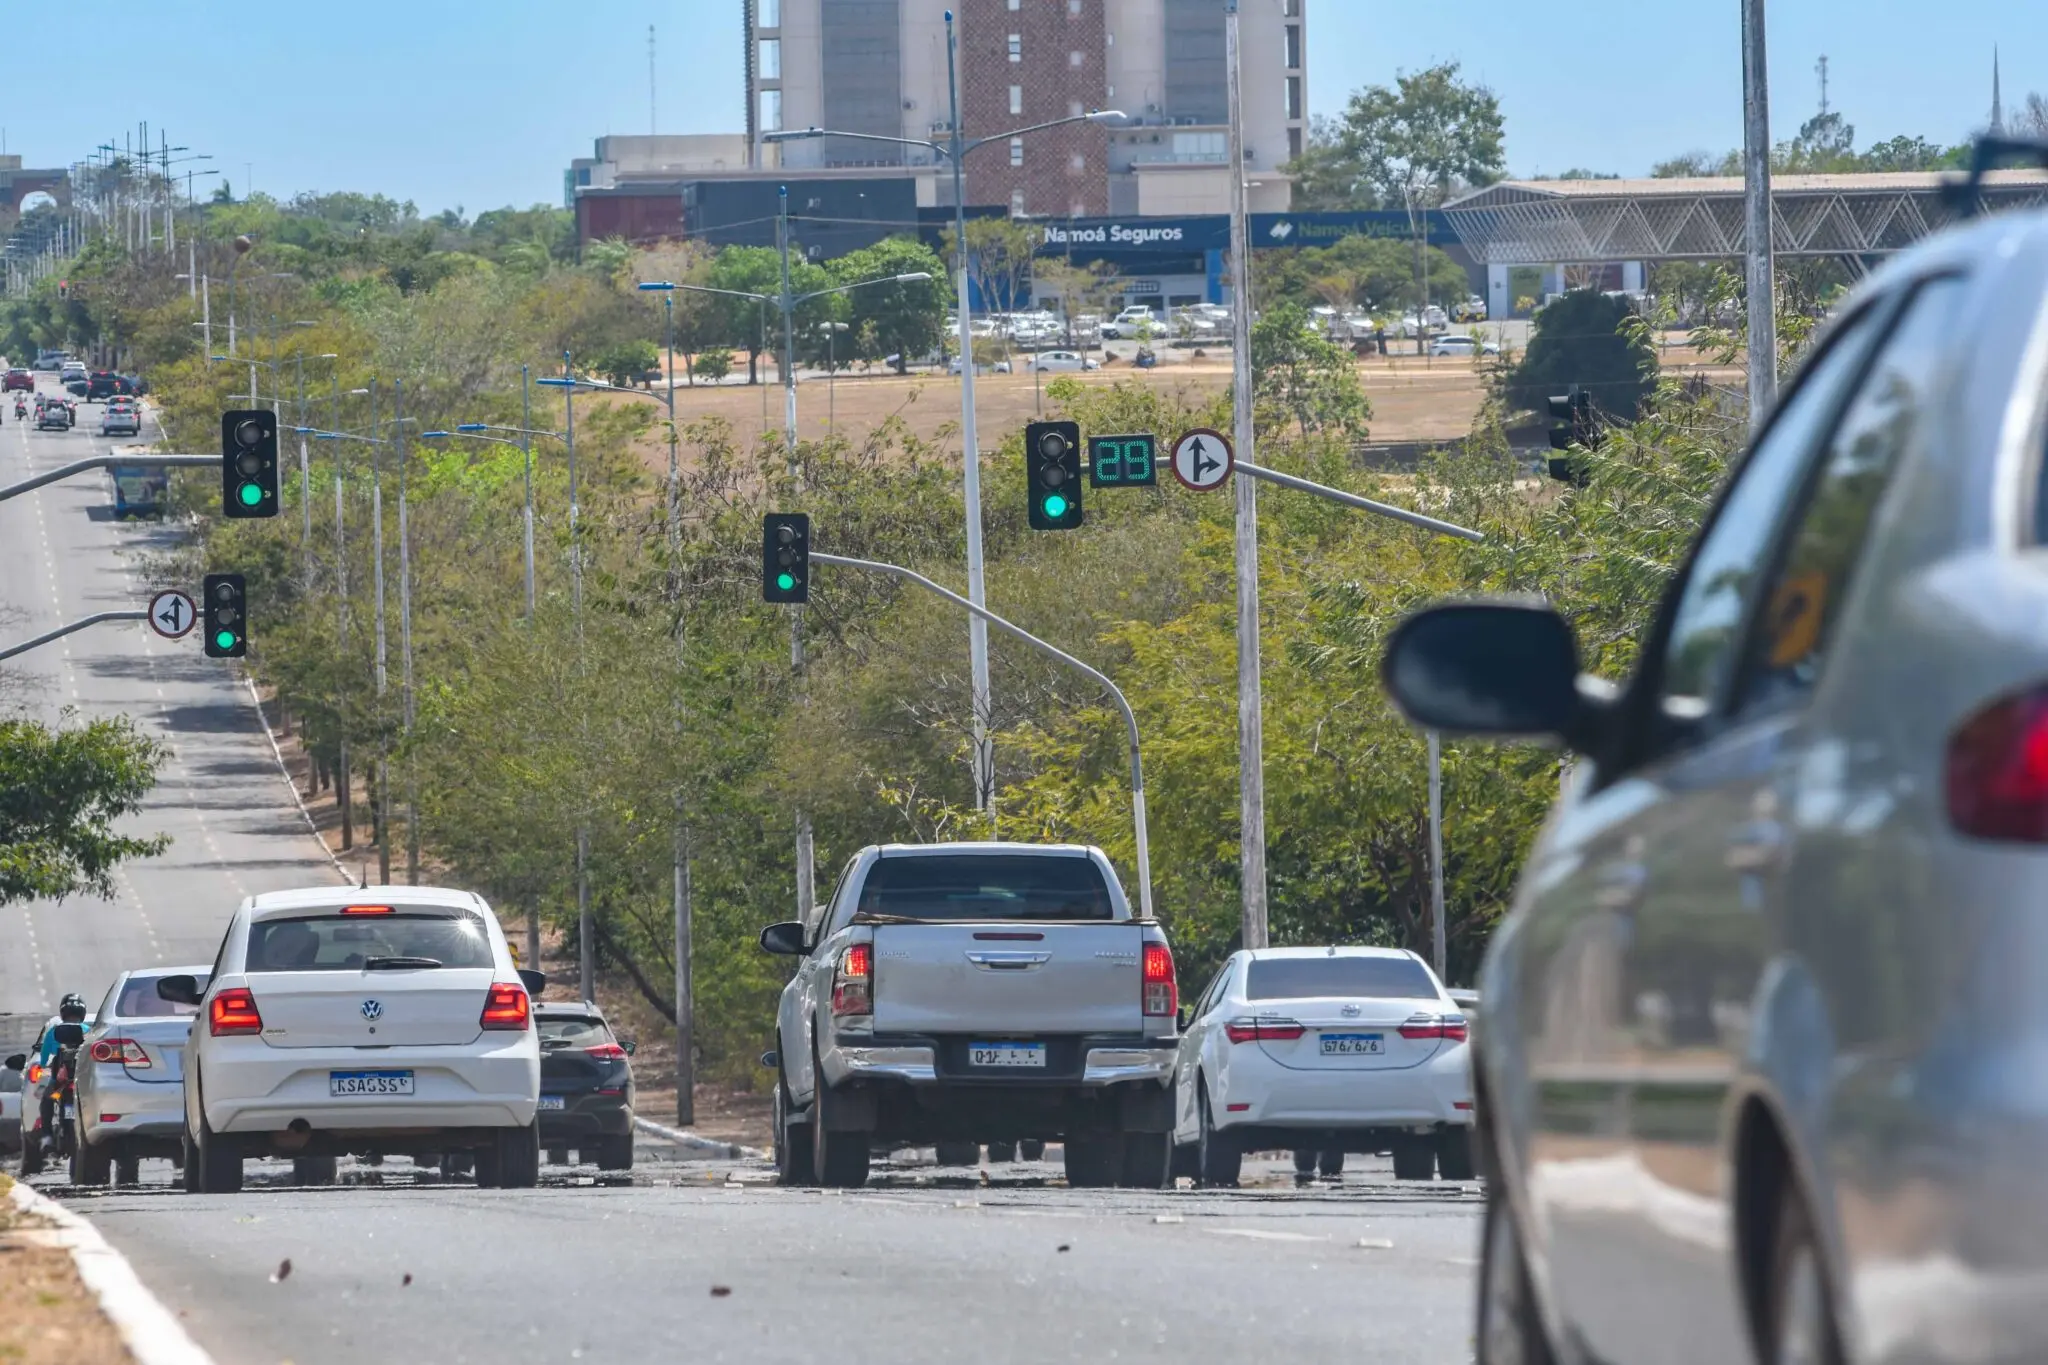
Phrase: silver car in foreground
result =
(131, 1094)
(1763, 1064)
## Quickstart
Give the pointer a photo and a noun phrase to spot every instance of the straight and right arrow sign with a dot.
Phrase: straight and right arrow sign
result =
(1203, 459)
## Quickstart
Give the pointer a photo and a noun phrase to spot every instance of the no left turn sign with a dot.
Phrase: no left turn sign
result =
(172, 615)
(1203, 459)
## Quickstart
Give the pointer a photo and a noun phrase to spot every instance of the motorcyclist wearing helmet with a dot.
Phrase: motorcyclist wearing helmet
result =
(70, 1010)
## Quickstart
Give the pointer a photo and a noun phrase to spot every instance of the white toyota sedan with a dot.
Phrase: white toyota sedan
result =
(361, 1021)
(1326, 1050)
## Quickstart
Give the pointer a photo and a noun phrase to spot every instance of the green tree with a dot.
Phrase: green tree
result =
(1586, 340)
(1300, 375)
(61, 790)
(712, 365)
(750, 326)
(624, 362)
(1000, 256)
(1410, 143)
(908, 319)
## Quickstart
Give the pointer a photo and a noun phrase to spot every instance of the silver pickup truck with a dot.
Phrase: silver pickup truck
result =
(975, 992)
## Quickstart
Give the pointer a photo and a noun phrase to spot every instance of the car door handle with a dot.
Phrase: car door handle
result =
(1009, 962)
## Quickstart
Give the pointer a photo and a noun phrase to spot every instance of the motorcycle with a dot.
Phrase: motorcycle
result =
(58, 1134)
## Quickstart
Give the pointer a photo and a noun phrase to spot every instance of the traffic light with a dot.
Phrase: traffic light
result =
(785, 557)
(1581, 429)
(248, 464)
(1052, 468)
(225, 606)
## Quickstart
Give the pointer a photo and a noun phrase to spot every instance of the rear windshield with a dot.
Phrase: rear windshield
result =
(139, 1000)
(970, 886)
(1305, 978)
(572, 1032)
(336, 942)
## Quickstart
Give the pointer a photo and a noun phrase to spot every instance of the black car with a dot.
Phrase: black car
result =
(586, 1087)
(106, 384)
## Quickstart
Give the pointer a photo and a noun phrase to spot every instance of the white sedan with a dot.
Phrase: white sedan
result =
(1463, 345)
(1072, 361)
(339, 1021)
(1326, 1050)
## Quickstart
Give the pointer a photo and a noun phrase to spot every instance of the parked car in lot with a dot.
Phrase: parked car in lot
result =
(365, 1021)
(1328, 1050)
(974, 993)
(1463, 345)
(1000, 367)
(1064, 361)
(1763, 1038)
(586, 1087)
(130, 1073)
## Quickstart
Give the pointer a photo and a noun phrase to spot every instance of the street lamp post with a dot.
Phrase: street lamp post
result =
(585, 949)
(954, 151)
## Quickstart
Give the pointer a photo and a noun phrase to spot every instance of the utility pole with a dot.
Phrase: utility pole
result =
(1756, 176)
(586, 950)
(343, 782)
(412, 788)
(381, 798)
(1251, 738)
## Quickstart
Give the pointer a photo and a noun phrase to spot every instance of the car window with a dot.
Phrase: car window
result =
(823, 911)
(1700, 650)
(985, 886)
(139, 1000)
(563, 1031)
(10, 1082)
(1307, 978)
(341, 942)
(1812, 583)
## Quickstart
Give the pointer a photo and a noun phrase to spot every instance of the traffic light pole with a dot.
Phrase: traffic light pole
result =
(14, 490)
(60, 632)
(1144, 848)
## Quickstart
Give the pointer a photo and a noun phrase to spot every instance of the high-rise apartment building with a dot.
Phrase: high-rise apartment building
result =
(879, 67)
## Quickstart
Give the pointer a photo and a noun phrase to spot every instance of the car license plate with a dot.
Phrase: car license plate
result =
(1354, 1044)
(1006, 1054)
(551, 1101)
(369, 1082)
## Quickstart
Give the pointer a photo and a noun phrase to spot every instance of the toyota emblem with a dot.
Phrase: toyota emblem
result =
(373, 1010)
(1350, 1011)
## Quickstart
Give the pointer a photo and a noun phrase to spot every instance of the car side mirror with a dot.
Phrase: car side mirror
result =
(535, 982)
(785, 939)
(68, 1035)
(630, 1046)
(16, 1062)
(1507, 669)
(1186, 1016)
(179, 990)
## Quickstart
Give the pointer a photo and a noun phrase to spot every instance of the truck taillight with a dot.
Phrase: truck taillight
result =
(853, 986)
(507, 1007)
(234, 1011)
(1162, 998)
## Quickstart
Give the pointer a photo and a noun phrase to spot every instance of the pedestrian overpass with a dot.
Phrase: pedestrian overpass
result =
(1581, 222)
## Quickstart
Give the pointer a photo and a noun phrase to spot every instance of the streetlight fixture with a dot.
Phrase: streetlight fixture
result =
(954, 151)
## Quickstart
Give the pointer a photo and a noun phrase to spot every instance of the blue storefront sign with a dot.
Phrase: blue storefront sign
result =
(1201, 235)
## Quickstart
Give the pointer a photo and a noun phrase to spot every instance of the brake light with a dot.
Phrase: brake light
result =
(36, 1073)
(234, 1011)
(126, 1051)
(853, 985)
(1998, 771)
(1263, 1030)
(365, 909)
(1449, 1027)
(1162, 996)
(506, 1007)
(607, 1052)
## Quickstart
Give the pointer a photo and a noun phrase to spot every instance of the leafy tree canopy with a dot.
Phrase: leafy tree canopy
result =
(61, 790)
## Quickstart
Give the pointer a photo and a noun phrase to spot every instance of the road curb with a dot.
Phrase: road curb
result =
(151, 1331)
(285, 773)
(684, 1138)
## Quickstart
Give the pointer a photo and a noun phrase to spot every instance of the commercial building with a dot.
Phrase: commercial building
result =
(879, 67)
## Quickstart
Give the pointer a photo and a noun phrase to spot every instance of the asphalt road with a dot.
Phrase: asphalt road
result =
(222, 798)
(923, 1266)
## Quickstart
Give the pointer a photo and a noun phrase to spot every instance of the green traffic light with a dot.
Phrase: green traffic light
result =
(223, 639)
(250, 494)
(1055, 506)
(785, 581)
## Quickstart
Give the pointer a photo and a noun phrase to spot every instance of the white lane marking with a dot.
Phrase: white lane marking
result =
(1263, 1235)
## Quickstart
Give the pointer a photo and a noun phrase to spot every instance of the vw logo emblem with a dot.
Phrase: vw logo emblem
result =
(373, 1010)
(1349, 1011)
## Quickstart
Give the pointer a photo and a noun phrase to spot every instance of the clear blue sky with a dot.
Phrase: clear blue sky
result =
(450, 102)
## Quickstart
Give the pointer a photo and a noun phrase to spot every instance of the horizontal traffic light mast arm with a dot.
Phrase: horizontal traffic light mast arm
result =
(1442, 528)
(60, 632)
(108, 462)
(1115, 692)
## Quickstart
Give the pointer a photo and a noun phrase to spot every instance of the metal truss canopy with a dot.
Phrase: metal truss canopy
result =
(1565, 222)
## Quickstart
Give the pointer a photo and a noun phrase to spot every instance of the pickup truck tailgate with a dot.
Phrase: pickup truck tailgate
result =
(1009, 978)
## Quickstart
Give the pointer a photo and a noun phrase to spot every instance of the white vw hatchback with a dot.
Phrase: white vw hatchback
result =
(1328, 1050)
(345, 1021)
